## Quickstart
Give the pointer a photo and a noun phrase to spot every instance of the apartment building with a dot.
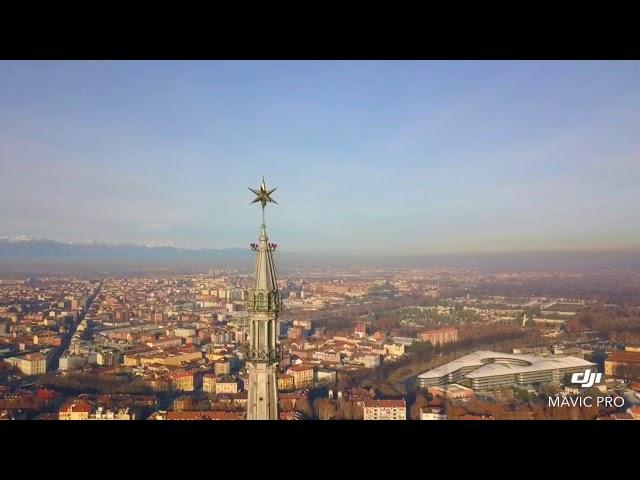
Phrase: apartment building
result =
(385, 410)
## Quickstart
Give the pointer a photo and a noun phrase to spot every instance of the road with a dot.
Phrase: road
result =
(54, 358)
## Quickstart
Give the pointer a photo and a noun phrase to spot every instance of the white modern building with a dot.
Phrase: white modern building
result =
(484, 370)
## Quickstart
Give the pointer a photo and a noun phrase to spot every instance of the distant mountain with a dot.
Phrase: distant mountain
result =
(25, 247)
(24, 253)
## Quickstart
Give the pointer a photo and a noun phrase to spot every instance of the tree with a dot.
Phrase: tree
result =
(6, 369)
(325, 409)
(549, 389)
(416, 406)
(454, 412)
(522, 395)
(422, 349)
(285, 404)
(303, 406)
(348, 410)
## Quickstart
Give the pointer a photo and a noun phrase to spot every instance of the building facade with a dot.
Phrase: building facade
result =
(432, 413)
(227, 386)
(209, 383)
(452, 391)
(184, 381)
(439, 336)
(74, 409)
(385, 410)
(286, 382)
(622, 364)
(30, 364)
(302, 375)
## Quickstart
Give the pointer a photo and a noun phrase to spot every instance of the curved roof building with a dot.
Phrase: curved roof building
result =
(484, 370)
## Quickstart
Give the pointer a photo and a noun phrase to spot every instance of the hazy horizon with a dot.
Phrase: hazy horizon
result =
(129, 259)
(371, 158)
(17, 239)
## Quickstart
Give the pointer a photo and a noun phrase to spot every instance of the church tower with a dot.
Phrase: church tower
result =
(264, 304)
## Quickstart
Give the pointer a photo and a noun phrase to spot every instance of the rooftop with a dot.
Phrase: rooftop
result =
(300, 368)
(623, 356)
(204, 415)
(452, 387)
(489, 364)
(385, 403)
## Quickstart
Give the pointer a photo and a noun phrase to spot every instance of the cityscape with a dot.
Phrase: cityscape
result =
(177, 321)
(361, 344)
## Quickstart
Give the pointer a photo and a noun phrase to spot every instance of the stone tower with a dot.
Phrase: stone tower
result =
(264, 307)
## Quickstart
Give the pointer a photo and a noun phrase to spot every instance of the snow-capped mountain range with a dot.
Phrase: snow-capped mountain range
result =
(20, 239)
(25, 246)
(29, 238)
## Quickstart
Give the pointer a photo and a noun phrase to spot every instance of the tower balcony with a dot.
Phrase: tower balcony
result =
(270, 355)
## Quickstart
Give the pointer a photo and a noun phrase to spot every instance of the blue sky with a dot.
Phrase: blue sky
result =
(370, 157)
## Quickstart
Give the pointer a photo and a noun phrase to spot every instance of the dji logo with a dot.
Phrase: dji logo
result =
(586, 379)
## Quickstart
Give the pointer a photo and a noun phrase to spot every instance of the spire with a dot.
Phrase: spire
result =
(265, 267)
(266, 280)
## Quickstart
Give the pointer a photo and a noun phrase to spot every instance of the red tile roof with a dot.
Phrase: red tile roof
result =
(75, 405)
(623, 357)
(299, 368)
(476, 417)
(289, 415)
(623, 416)
(205, 415)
